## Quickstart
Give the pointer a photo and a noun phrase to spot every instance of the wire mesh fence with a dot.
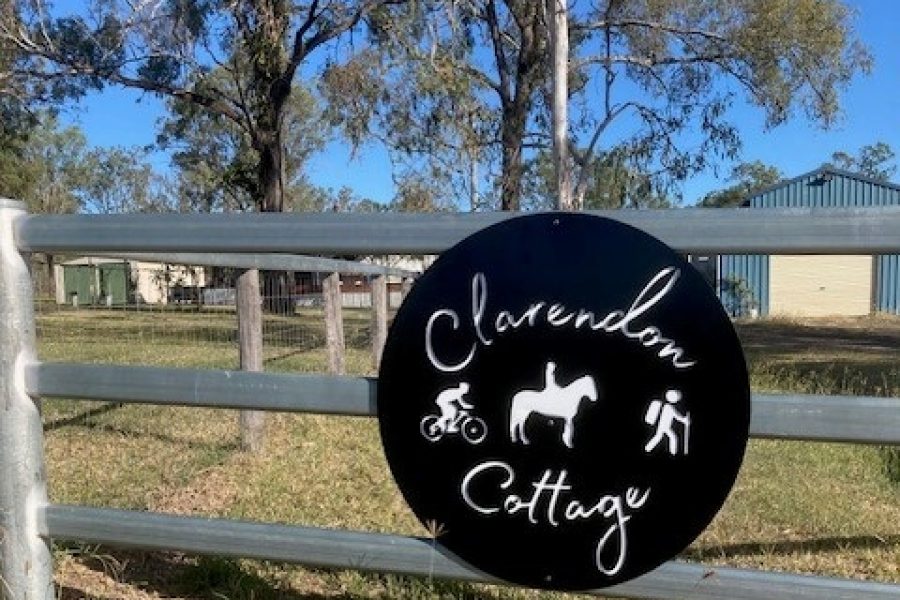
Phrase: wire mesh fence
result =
(100, 309)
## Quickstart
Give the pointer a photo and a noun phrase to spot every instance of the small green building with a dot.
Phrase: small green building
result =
(96, 281)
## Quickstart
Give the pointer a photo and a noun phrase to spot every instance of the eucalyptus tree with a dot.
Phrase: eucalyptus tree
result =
(169, 48)
(216, 159)
(469, 81)
(748, 178)
(48, 170)
(454, 82)
(122, 180)
(16, 128)
(668, 71)
(613, 183)
(877, 161)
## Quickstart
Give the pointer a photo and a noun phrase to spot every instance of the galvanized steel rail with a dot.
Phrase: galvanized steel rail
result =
(772, 231)
(365, 551)
(272, 262)
(860, 419)
(29, 522)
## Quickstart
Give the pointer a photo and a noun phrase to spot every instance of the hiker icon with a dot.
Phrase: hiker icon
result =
(664, 415)
(454, 418)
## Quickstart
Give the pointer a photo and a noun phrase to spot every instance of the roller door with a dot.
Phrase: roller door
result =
(819, 286)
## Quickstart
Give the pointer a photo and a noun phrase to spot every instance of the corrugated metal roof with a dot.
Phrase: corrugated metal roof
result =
(826, 187)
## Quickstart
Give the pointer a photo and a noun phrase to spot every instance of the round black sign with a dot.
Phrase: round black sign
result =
(563, 401)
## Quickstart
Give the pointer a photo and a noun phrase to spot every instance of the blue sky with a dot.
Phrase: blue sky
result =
(871, 113)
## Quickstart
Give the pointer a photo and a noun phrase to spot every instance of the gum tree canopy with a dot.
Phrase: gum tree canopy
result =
(171, 48)
(178, 49)
(690, 60)
(653, 79)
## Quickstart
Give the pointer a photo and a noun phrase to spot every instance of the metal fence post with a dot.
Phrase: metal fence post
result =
(25, 560)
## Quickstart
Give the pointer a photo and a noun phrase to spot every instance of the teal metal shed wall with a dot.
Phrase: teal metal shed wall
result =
(822, 188)
(887, 274)
(744, 283)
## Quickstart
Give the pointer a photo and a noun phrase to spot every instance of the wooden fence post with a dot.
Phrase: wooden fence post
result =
(334, 323)
(379, 318)
(249, 316)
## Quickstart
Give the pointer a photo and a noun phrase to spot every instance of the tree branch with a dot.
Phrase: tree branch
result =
(649, 62)
(581, 156)
(490, 15)
(607, 24)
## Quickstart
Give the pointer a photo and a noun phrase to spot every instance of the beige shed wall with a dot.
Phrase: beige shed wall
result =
(820, 286)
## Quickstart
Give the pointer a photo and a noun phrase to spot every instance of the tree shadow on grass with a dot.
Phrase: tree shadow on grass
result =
(81, 419)
(785, 339)
(788, 547)
(174, 575)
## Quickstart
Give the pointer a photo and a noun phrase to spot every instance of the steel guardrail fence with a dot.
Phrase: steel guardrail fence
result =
(859, 419)
(874, 230)
(29, 521)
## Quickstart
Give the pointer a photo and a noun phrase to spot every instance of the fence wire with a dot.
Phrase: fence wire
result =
(94, 309)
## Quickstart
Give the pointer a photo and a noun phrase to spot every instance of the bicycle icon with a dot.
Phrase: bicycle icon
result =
(471, 427)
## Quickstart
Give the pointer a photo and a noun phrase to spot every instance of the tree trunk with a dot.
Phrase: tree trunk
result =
(511, 183)
(557, 21)
(277, 293)
(51, 277)
(270, 171)
(249, 314)
(334, 323)
(581, 186)
(379, 318)
(474, 203)
(276, 288)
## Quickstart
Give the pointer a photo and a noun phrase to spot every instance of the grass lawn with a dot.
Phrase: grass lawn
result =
(807, 507)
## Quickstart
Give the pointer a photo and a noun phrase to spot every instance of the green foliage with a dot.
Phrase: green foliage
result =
(121, 181)
(417, 194)
(217, 160)
(451, 86)
(52, 169)
(227, 68)
(459, 85)
(686, 62)
(57, 159)
(749, 178)
(737, 296)
(17, 175)
(611, 182)
(873, 160)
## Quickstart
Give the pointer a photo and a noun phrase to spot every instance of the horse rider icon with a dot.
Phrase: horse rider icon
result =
(551, 402)
(664, 416)
(447, 401)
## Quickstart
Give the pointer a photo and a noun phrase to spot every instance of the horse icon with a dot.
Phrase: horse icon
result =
(552, 401)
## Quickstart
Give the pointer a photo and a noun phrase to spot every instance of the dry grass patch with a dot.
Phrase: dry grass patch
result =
(807, 507)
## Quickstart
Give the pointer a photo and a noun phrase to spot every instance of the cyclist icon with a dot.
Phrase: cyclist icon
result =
(454, 418)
